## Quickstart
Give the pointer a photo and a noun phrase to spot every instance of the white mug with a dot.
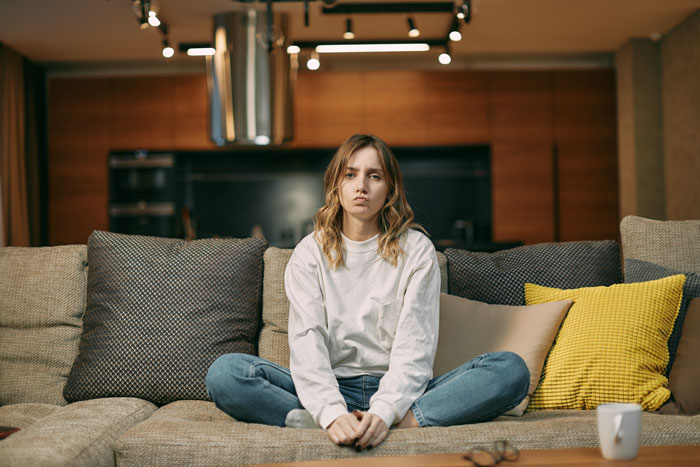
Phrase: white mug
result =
(619, 429)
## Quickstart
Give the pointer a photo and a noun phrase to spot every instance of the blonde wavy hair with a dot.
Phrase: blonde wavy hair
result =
(395, 217)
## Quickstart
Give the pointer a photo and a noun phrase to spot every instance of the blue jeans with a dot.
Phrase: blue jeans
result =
(254, 390)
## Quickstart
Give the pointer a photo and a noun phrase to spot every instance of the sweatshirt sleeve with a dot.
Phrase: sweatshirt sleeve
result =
(314, 380)
(415, 342)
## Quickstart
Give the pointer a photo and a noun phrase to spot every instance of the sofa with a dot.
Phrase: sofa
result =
(88, 384)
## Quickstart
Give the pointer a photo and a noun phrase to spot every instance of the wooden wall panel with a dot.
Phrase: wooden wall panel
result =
(395, 103)
(521, 187)
(586, 138)
(521, 156)
(78, 134)
(328, 107)
(143, 112)
(521, 114)
(191, 125)
(456, 107)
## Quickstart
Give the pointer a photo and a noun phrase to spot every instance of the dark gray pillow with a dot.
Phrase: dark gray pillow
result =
(642, 271)
(160, 311)
(499, 278)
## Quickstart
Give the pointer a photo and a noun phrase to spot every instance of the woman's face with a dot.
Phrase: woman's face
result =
(363, 187)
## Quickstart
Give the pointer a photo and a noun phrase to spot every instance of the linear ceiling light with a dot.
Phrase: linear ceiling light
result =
(350, 48)
(201, 51)
(197, 49)
(348, 34)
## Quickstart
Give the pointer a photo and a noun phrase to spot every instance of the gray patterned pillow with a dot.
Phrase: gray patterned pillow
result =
(160, 311)
(499, 278)
(642, 271)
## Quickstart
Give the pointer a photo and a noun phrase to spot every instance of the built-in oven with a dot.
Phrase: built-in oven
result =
(142, 193)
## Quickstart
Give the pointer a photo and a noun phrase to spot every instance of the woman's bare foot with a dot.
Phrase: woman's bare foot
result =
(408, 421)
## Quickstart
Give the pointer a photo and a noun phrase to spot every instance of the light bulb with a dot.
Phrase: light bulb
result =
(313, 64)
(293, 49)
(348, 34)
(444, 59)
(153, 20)
(168, 51)
(413, 31)
(455, 36)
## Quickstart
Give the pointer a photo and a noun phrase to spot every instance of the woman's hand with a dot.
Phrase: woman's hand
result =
(345, 429)
(372, 428)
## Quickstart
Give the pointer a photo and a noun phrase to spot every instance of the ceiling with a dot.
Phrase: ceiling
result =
(83, 33)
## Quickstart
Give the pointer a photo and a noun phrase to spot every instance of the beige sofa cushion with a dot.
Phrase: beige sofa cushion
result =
(273, 344)
(42, 301)
(469, 328)
(672, 244)
(79, 434)
(197, 433)
(24, 415)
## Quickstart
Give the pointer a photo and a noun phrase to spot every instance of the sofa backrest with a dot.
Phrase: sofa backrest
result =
(272, 344)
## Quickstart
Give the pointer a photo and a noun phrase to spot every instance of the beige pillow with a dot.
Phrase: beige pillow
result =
(42, 301)
(469, 328)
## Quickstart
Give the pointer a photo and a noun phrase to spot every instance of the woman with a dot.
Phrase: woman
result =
(364, 292)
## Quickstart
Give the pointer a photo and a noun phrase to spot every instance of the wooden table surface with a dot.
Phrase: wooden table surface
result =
(648, 456)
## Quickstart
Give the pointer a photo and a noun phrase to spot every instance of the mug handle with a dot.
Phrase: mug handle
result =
(617, 428)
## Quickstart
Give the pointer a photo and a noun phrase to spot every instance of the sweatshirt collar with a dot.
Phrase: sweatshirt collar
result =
(365, 245)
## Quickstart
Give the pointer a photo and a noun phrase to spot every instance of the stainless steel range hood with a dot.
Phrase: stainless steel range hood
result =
(251, 86)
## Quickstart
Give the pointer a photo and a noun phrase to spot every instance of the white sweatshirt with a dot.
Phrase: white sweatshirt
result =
(365, 318)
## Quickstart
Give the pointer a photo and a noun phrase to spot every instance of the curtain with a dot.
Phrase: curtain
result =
(35, 151)
(13, 178)
(2, 224)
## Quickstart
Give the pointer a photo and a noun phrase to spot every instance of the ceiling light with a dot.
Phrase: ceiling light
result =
(349, 48)
(455, 35)
(197, 49)
(141, 8)
(445, 58)
(201, 51)
(293, 49)
(313, 63)
(464, 11)
(153, 19)
(348, 34)
(167, 50)
(413, 31)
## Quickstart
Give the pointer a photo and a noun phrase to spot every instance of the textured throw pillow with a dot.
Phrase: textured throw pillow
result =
(642, 271)
(672, 244)
(274, 345)
(684, 379)
(499, 277)
(469, 329)
(612, 345)
(160, 311)
(42, 301)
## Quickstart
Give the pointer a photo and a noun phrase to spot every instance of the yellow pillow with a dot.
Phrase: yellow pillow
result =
(611, 347)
